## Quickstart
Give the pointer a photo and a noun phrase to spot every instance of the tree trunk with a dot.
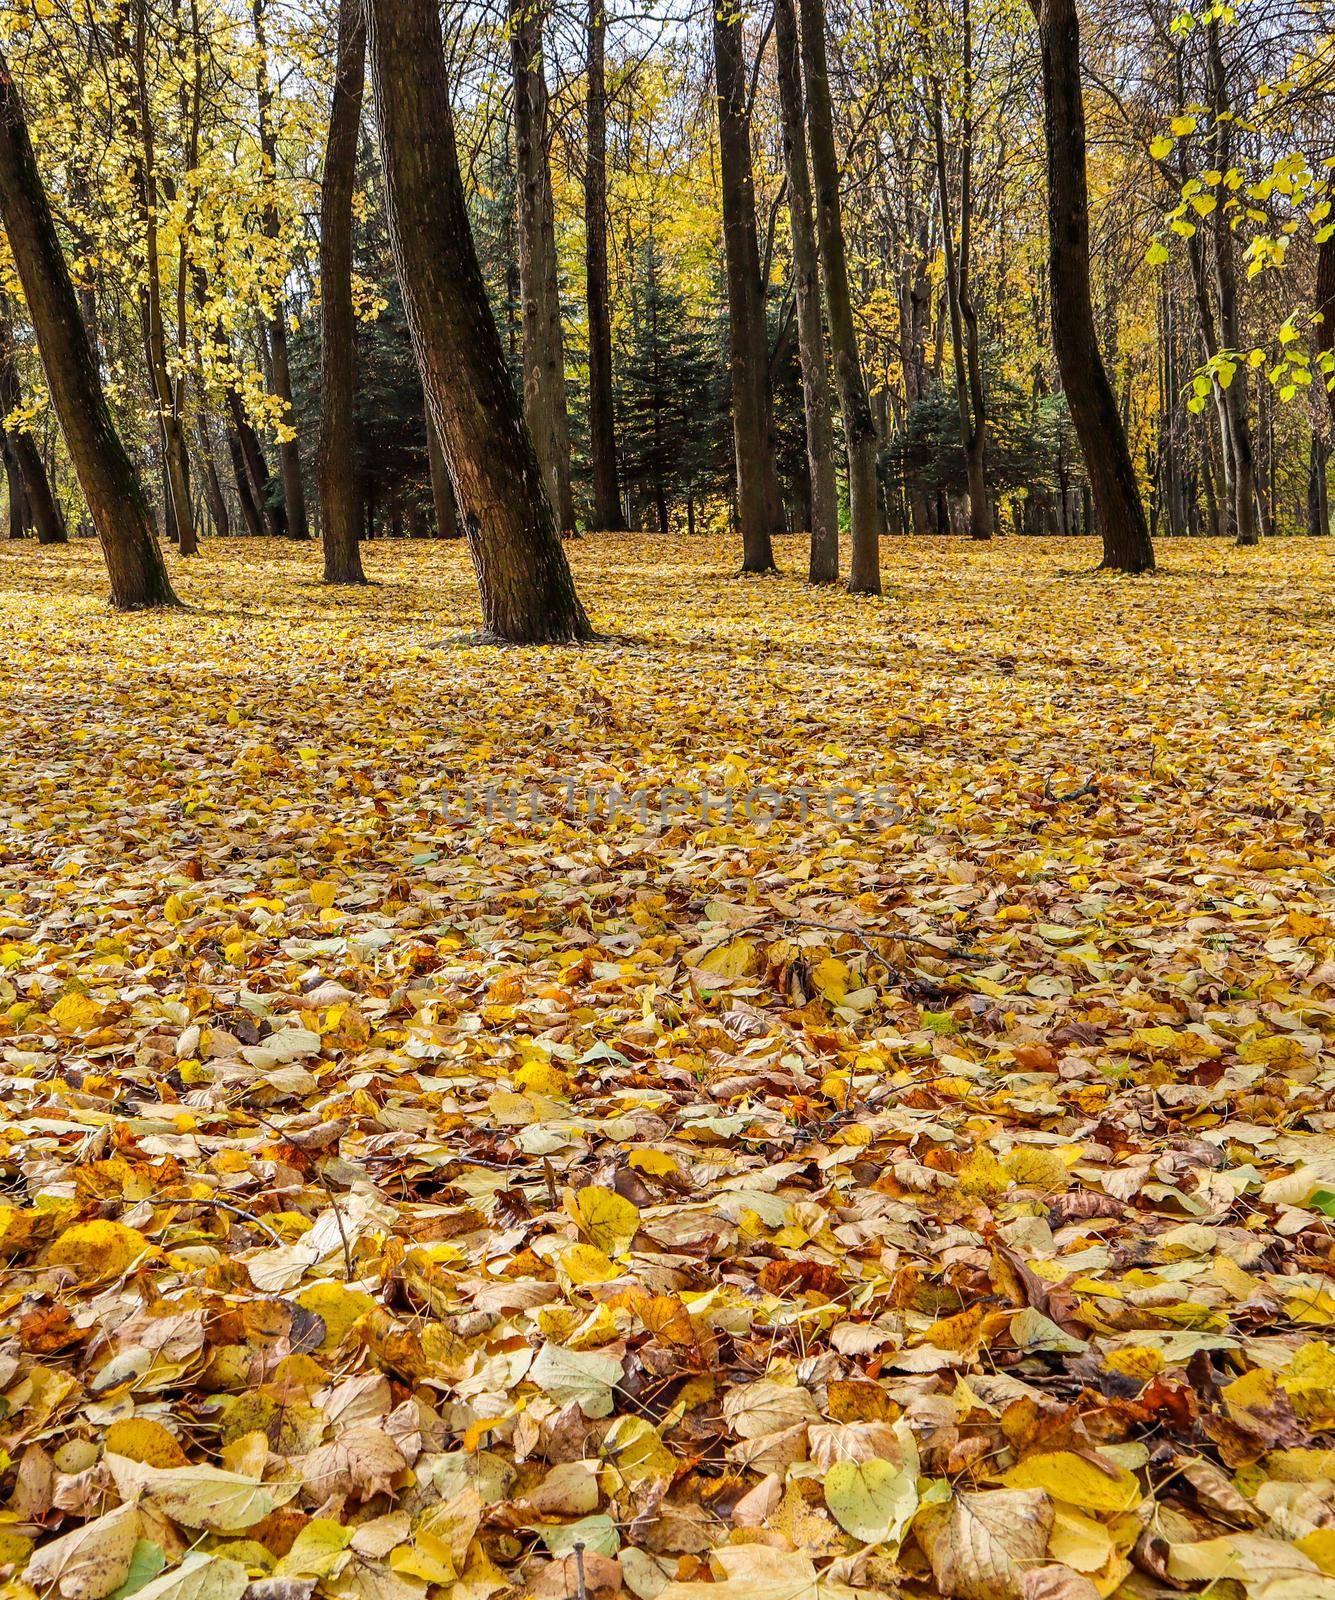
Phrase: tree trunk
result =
(544, 347)
(213, 491)
(289, 453)
(340, 507)
(528, 593)
(111, 487)
(963, 317)
(824, 489)
(1234, 398)
(864, 575)
(752, 407)
(442, 490)
(1098, 425)
(1323, 307)
(18, 500)
(602, 424)
(268, 504)
(137, 117)
(47, 522)
(1318, 512)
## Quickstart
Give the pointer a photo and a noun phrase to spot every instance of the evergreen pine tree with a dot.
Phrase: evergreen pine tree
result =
(672, 421)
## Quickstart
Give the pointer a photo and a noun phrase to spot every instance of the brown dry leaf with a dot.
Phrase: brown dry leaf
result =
(982, 1545)
(91, 1560)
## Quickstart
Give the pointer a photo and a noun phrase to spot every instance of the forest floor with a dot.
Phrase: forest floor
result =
(915, 1178)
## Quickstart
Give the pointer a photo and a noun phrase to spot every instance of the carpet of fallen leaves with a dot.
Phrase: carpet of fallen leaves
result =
(398, 1201)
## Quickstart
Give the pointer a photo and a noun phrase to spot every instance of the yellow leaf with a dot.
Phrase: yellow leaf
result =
(317, 1551)
(75, 1013)
(736, 959)
(586, 1263)
(1076, 1480)
(1310, 1383)
(609, 1219)
(94, 1251)
(1319, 1546)
(143, 1439)
(323, 893)
(832, 979)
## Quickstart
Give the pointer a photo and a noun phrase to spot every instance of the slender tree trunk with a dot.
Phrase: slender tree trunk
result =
(268, 503)
(752, 406)
(1318, 512)
(47, 521)
(1234, 398)
(213, 490)
(602, 425)
(824, 489)
(1098, 425)
(289, 451)
(544, 347)
(1323, 307)
(864, 575)
(528, 593)
(111, 487)
(442, 490)
(139, 134)
(19, 522)
(340, 506)
(963, 317)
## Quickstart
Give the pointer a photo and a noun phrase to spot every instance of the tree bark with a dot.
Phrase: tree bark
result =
(111, 487)
(864, 575)
(528, 593)
(1323, 308)
(1234, 397)
(824, 489)
(1093, 406)
(19, 521)
(752, 406)
(442, 490)
(289, 451)
(47, 522)
(340, 504)
(544, 346)
(137, 116)
(969, 397)
(602, 423)
(1318, 508)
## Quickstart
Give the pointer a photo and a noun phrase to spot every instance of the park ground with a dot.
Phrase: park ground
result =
(807, 1093)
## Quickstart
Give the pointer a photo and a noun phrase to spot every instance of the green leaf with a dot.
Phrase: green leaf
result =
(873, 1500)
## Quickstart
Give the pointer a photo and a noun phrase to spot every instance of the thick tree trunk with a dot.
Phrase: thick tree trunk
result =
(289, 451)
(528, 593)
(111, 487)
(752, 407)
(824, 489)
(544, 346)
(864, 576)
(1098, 425)
(340, 506)
(602, 424)
(47, 522)
(442, 490)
